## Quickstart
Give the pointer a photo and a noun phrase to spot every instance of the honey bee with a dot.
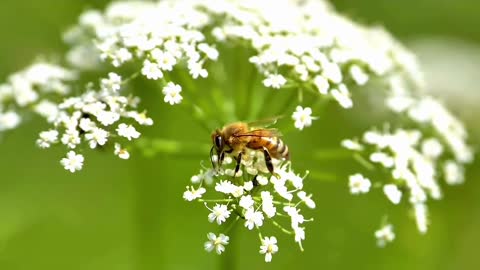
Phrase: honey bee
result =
(235, 138)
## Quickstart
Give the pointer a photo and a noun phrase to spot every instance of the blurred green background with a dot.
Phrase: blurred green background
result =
(119, 214)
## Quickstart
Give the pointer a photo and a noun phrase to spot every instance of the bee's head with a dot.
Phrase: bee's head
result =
(218, 145)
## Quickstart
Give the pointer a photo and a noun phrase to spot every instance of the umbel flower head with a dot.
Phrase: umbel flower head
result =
(254, 197)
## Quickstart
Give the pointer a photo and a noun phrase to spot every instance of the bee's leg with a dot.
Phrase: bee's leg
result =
(220, 158)
(268, 160)
(238, 159)
(255, 181)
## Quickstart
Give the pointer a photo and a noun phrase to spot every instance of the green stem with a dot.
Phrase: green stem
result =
(228, 260)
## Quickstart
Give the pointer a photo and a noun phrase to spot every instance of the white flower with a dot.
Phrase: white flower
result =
(151, 70)
(9, 120)
(127, 131)
(86, 124)
(299, 235)
(193, 194)
(454, 173)
(253, 218)
(267, 204)
(382, 158)
(358, 75)
(306, 199)
(112, 83)
(432, 148)
(359, 184)
(393, 193)
(342, 95)
(196, 69)
(72, 162)
(120, 152)
(71, 138)
(269, 247)
(107, 118)
(225, 186)
(274, 81)
(165, 60)
(303, 117)
(97, 136)
(217, 243)
(352, 145)
(322, 84)
(248, 186)
(172, 93)
(332, 72)
(211, 52)
(384, 235)
(246, 202)
(219, 213)
(47, 138)
(421, 217)
(141, 118)
(295, 216)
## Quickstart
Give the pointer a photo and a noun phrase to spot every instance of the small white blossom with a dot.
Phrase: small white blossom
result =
(96, 137)
(253, 218)
(393, 193)
(72, 162)
(267, 204)
(107, 118)
(9, 120)
(359, 184)
(165, 60)
(307, 199)
(172, 93)
(219, 213)
(120, 152)
(275, 81)
(71, 138)
(217, 243)
(193, 194)
(358, 75)
(47, 138)
(420, 210)
(342, 95)
(303, 117)
(151, 70)
(127, 131)
(246, 202)
(322, 84)
(454, 173)
(112, 83)
(352, 145)
(384, 235)
(432, 148)
(269, 247)
(196, 70)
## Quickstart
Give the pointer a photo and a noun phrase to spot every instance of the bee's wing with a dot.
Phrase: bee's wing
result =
(263, 123)
(261, 132)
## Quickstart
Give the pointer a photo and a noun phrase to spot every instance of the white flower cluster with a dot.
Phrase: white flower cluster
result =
(95, 118)
(415, 161)
(309, 45)
(301, 44)
(160, 35)
(254, 196)
(36, 88)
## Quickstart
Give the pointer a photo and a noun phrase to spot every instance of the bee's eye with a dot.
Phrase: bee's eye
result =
(218, 141)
